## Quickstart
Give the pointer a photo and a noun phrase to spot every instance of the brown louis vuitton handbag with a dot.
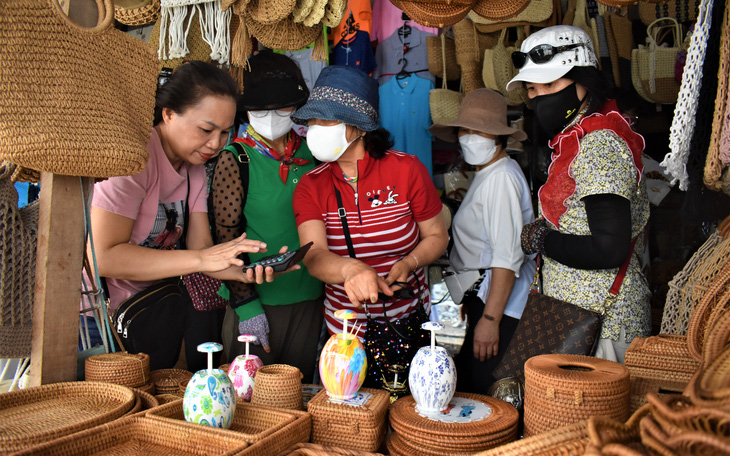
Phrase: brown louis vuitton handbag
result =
(549, 325)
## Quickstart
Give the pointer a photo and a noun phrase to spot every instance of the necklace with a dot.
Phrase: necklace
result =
(349, 179)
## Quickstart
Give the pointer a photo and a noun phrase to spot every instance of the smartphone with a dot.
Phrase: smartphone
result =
(281, 261)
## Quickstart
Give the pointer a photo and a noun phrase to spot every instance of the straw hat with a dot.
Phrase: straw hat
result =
(285, 35)
(302, 9)
(435, 14)
(317, 13)
(136, 12)
(334, 12)
(498, 10)
(536, 11)
(482, 110)
(270, 11)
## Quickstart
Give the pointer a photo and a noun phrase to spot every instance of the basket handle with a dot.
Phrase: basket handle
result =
(653, 29)
(443, 59)
(105, 19)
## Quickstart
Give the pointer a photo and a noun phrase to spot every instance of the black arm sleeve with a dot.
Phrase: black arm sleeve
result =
(608, 245)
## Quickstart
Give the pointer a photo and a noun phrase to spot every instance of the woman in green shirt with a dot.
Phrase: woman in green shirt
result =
(251, 190)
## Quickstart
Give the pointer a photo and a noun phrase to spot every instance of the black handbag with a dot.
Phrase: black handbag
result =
(549, 325)
(389, 345)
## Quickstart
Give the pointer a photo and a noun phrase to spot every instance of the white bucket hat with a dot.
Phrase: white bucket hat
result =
(561, 63)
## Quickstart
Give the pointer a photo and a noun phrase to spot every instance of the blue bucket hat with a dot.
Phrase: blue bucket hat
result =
(345, 94)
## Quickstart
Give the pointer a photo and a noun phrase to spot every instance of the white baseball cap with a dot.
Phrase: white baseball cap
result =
(557, 64)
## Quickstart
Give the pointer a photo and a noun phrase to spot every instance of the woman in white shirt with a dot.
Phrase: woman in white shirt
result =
(486, 255)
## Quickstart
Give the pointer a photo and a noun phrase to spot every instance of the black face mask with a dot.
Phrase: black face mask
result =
(556, 110)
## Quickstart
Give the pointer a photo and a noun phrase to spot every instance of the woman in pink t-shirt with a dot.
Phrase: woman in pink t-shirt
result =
(138, 221)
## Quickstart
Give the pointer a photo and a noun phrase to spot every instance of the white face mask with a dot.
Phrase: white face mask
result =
(477, 149)
(328, 143)
(271, 124)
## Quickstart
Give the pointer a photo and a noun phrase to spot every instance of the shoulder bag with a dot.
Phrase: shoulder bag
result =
(388, 343)
(549, 325)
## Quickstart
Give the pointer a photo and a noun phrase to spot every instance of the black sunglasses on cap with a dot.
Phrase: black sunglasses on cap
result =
(542, 53)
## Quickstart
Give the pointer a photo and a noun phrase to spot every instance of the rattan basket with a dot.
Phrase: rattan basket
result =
(143, 436)
(677, 413)
(662, 352)
(253, 423)
(498, 428)
(36, 415)
(148, 388)
(122, 368)
(297, 431)
(658, 382)
(313, 449)
(167, 398)
(714, 297)
(167, 381)
(562, 389)
(570, 440)
(359, 428)
(278, 385)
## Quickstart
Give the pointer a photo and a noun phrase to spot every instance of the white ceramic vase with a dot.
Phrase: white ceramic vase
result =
(432, 375)
(242, 371)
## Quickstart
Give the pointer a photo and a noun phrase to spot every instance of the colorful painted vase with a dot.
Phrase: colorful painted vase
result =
(209, 398)
(343, 364)
(432, 376)
(242, 371)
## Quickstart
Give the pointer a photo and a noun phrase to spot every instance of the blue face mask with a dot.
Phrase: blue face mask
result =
(556, 110)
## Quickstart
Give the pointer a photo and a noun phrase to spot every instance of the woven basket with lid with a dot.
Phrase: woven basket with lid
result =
(278, 385)
(352, 427)
(122, 368)
(562, 389)
(167, 381)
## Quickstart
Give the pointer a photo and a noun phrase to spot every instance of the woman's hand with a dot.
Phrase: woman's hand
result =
(401, 270)
(362, 283)
(486, 339)
(222, 256)
(258, 274)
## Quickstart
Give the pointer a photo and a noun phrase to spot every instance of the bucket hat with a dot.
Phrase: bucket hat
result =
(560, 64)
(482, 110)
(345, 94)
(272, 81)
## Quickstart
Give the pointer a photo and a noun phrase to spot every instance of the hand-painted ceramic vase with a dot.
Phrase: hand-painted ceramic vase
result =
(343, 364)
(209, 398)
(432, 376)
(243, 370)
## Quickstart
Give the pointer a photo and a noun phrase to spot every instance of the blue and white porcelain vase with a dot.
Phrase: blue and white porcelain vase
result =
(209, 398)
(432, 375)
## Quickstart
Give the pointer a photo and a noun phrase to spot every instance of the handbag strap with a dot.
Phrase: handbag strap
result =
(612, 291)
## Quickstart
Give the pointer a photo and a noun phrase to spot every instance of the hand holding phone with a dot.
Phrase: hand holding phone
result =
(281, 261)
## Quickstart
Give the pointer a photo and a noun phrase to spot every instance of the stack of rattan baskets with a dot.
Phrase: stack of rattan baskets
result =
(122, 368)
(414, 434)
(167, 381)
(563, 389)
(569, 440)
(345, 425)
(314, 449)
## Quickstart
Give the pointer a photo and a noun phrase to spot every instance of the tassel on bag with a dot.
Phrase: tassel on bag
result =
(214, 24)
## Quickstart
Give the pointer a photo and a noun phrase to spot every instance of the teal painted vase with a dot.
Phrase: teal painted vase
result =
(209, 398)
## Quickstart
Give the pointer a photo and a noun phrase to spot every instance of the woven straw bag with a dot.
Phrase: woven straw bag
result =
(656, 64)
(18, 238)
(470, 43)
(682, 10)
(178, 19)
(720, 136)
(444, 103)
(198, 48)
(135, 13)
(620, 43)
(278, 385)
(441, 54)
(563, 389)
(89, 113)
(503, 69)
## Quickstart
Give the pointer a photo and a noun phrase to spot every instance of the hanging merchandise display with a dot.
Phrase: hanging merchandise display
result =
(19, 228)
(538, 13)
(718, 153)
(198, 48)
(46, 107)
(683, 123)
(498, 69)
(209, 397)
(136, 12)
(654, 64)
(681, 10)
(177, 20)
(442, 57)
(435, 13)
(444, 103)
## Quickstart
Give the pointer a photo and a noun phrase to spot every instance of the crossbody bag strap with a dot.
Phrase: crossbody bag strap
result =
(343, 217)
(612, 292)
(243, 170)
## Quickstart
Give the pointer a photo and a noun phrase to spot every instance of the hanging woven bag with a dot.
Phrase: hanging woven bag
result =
(444, 103)
(655, 64)
(76, 101)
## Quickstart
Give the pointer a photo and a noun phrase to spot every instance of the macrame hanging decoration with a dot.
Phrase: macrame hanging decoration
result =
(214, 25)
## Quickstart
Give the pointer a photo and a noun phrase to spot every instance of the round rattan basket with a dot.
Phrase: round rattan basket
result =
(564, 389)
(714, 298)
(122, 368)
(35, 415)
(167, 381)
(278, 385)
(167, 398)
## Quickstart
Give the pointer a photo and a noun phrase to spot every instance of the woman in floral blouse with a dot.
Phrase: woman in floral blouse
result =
(593, 206)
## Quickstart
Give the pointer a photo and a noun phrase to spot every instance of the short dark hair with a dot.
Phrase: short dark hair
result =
(599, 86)
(189, 84)
(377, 142)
